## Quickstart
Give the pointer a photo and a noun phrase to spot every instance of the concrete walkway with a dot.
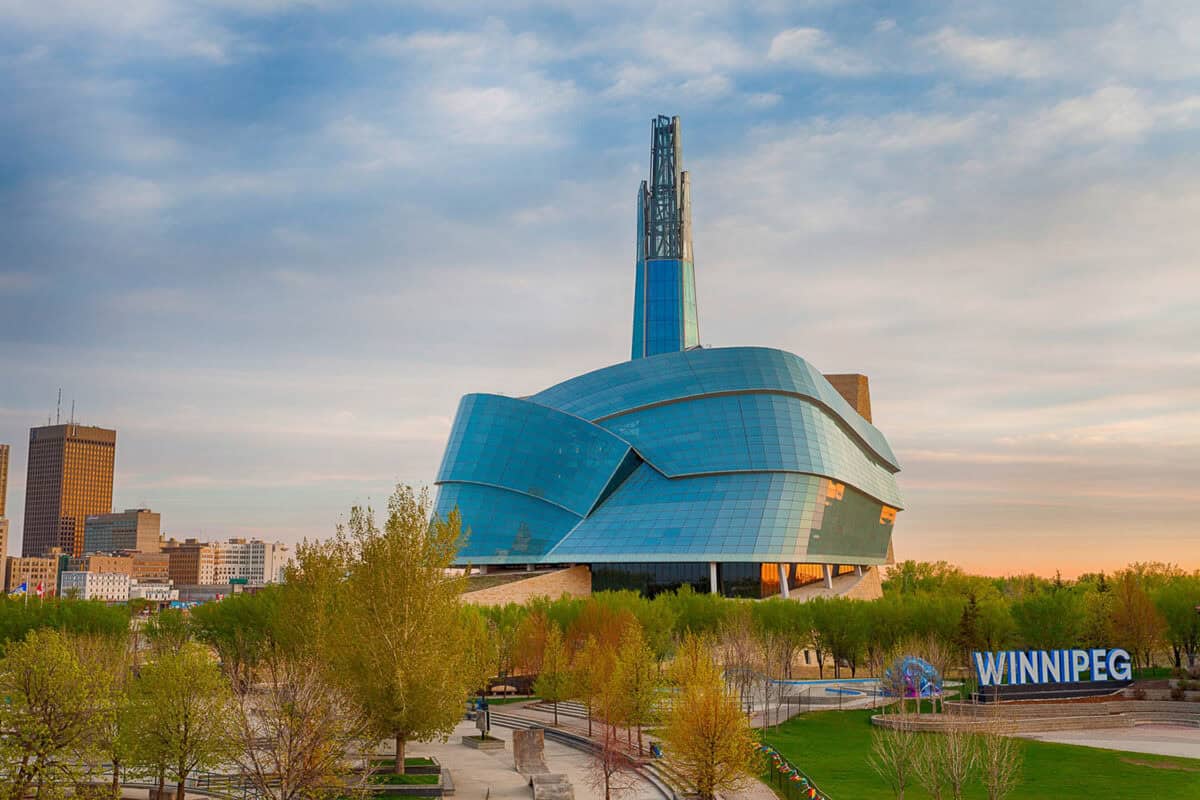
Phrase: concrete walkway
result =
(476, 772)
(1163, 740)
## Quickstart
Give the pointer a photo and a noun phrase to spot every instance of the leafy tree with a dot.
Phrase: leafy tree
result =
(697, 612)
(590, 671)
(111, 660)
(636, 682)
(168, 631)
(53, 715)
(92, 617)
(504, 622)
(1136, 623)
(554, 681)
(394, 643)
(1048, 620)
(241, 628)
(708, 739)
(1177, 601)
(181, 716)
(839, 629)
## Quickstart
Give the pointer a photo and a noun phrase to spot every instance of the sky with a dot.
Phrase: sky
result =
(272, 242)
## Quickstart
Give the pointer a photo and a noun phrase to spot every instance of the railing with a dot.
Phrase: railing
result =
(788, 780)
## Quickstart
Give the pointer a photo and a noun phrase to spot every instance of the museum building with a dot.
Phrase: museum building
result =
(721, 468)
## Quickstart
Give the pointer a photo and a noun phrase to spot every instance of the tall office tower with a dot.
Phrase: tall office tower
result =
(3, 497)
(70, 477)
(3, 479)
(664, 305)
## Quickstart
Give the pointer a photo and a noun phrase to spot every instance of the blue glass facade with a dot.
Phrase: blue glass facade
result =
(652, 469)
(731, 454)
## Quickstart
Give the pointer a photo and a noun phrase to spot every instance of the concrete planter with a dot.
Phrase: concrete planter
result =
(479, 743)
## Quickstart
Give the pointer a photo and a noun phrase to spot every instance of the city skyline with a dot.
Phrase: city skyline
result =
(276, 264)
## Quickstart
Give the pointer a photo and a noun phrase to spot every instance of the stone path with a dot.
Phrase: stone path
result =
(476, 772)
(1163, 740)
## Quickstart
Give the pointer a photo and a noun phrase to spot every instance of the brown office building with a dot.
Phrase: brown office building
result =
(192, 562)
(99, 563)
(150, 566)
(70, 478)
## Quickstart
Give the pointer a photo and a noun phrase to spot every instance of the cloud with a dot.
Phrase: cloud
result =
(994, 56)
(813, 49)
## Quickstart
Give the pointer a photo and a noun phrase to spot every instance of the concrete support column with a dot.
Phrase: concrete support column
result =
(858, 570)
(783, 580)
(529, 567)
(712, 578)
(828, 576)
(483, 569)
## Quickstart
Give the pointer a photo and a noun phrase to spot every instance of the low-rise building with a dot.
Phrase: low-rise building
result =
(154, 591)
(110, 587)
(253, 562)
(31, 571)
(98, 562)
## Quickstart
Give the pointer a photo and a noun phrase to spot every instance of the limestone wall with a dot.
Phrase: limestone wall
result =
(574, 581)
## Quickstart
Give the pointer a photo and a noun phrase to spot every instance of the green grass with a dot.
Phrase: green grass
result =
(416, 761)
(832, 747)
(388, 779)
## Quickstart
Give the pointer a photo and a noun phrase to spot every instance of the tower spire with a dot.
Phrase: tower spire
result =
(664, 306)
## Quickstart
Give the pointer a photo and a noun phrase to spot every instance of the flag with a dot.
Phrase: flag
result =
(39, 589)
(20, 589)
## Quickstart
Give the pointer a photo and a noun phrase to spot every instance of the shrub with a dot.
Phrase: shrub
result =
(1139, 693)
(1178, 693)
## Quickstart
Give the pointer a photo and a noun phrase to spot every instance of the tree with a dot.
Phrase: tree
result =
(1050, 620)
(293, 728)
(590, 671)
(636, 682)
(1137, 624)
(53, 715)
(611, 768)
(554, 681)
(958, 758)
(1000, 758)
(894, 753)
(241, 628)
(111, 660)
(393, 642)
(1177, 601)
(927, 765)
(168, 631)
(708, 739)
(181, 716)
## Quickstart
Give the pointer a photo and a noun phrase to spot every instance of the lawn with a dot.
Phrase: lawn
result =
(388, 779)
(414, 761)
(832, 747)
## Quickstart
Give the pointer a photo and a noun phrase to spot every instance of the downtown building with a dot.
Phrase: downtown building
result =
(738, 470)
(3, 500)
(69, 478)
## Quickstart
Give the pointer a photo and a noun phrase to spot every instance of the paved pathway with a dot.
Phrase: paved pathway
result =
(1163, 740)
(475, 772)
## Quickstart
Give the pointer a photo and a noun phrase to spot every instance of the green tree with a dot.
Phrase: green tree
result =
(590, 670)
(1048, 620)
(168, 631)
(111, 660)
(636, 680)
(1136, 622)
(554, 680)
(394, 642)
(54, 713)
(182, 716)
(1178, 600)
(241, 628)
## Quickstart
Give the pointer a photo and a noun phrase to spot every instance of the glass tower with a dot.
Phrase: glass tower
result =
(664, 303)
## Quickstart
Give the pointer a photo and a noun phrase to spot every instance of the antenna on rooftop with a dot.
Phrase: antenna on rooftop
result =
(58, 408)
(72, 412)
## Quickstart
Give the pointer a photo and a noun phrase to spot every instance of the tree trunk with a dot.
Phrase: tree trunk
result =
(589, 708)
(179, 790)
(399, 767)
(162, 784)
(556, 712)
(639, 727)
(116, 787)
